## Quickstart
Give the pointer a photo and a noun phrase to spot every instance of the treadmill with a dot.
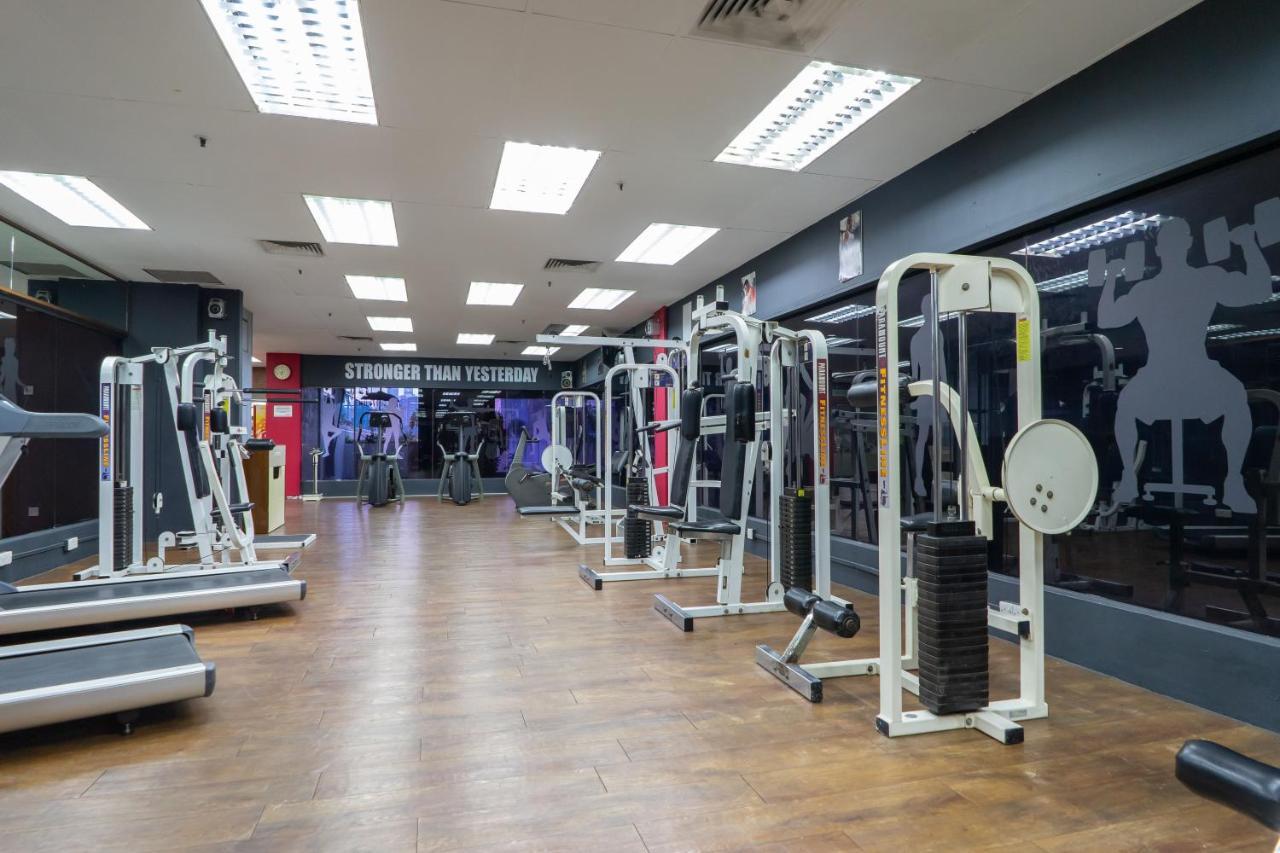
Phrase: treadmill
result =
(118, 673)
(40, 607)
(57, 680)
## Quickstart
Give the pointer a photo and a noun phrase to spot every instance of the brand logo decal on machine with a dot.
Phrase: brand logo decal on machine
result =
(882, 401)
(820, 379)
(104, 410)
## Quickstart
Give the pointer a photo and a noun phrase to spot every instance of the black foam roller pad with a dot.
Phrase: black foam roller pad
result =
(1244, 784)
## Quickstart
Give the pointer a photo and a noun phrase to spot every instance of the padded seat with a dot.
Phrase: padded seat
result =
(709, 529)
(658, 513)
(916, 523)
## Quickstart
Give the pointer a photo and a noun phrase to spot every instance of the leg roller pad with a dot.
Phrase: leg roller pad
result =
(800, 601)
(839, 619)
(1238, 781)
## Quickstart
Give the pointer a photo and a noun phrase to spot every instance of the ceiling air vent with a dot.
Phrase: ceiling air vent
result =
(797, 25)
(358, 338)
(183, 276)
(36, 270)
(292, 247)
(571, 265)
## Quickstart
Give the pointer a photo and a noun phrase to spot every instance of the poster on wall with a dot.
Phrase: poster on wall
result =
(749, 294)
(851, 246)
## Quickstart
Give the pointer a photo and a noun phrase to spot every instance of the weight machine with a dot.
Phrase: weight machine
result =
(1049, 482)
(743, 429)
(210, 453)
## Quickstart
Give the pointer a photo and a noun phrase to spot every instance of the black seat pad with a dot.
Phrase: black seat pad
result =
(916, 522)
(722, 528)
(586, 482)
(673, 512)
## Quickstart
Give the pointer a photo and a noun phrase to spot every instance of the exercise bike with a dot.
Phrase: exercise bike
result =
(378, 469)
(461, 475)
(526, 486)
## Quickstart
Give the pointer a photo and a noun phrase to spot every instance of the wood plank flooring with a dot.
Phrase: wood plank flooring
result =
(450, 684)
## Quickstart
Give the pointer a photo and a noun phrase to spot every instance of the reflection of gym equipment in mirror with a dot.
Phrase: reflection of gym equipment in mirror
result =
(378, 480)
(1049, 479)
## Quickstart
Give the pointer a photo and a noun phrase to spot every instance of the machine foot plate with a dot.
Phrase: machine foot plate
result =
(673, 613)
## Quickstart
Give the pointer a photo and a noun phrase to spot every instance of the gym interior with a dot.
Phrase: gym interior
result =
(667, 425)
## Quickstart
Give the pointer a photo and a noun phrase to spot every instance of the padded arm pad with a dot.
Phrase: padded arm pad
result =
(691, 413)
(863, 395)
(1246, 785)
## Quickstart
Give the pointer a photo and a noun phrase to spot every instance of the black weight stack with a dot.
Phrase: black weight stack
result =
(796, 530)
(122, 532)
(637, 533)
(951, 573)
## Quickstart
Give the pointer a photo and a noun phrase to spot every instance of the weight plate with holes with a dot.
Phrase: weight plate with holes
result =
(1050, 476)
(556, 456)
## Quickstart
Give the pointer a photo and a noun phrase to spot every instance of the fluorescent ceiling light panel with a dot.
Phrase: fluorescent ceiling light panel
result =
(536, 350)
(821, 106)
(493, 293)
(390, 324)
(298, 57)
(601, 299)
(378, 287)
(662, 243)
(476, 339)
(541, 178)
(388, 346)
(841, 314)
(354, 220)
(1127, 224)
(574, 330)
(74, 200)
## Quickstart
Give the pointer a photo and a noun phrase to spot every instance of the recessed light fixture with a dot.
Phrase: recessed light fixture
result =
(574, 331)
(298, 58)
(73, 199)
(384, 288)
(1127, 224)
(601, 299)
(821, 106)
(354, 220)
(536, 350)
(474, 338)
(662, 243)
(841, 314)
(541, 178)
(390, 324)
(390, 346)
(493, 293)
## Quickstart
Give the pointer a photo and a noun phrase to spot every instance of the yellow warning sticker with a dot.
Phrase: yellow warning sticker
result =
(1024, 339)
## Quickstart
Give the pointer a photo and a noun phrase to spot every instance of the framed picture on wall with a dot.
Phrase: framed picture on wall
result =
(851, 246)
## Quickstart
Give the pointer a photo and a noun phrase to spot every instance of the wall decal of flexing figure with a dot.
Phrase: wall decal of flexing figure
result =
(1180, 382)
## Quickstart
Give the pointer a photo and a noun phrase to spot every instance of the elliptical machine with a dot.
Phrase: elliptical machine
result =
(378, 469)
(461, 475)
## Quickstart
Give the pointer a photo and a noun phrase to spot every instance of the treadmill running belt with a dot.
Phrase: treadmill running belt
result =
(66, 666)
(132, 589)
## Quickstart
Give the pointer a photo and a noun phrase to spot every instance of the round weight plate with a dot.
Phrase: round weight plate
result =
(1050, 476)
(556, 456)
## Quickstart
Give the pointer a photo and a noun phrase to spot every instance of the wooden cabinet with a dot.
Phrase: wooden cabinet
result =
(264, 473)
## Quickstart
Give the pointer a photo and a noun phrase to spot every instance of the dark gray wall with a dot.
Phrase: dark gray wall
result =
(1189, 93)
(1200, 85)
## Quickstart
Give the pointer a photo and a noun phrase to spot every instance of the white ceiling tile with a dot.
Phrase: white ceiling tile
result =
(662, 16)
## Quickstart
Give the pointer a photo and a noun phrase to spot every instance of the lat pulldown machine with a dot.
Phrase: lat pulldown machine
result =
(1049, 482)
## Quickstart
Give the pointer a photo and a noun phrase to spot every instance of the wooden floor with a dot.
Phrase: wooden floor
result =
(449, 683)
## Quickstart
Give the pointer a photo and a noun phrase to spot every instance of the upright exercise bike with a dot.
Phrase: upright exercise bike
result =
(379, 472)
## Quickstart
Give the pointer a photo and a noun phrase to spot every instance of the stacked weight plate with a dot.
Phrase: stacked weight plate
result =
(796, 529)
(637, 533)
(951, 573)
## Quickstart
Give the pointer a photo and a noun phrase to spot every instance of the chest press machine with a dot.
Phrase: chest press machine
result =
(1049, 482)
(744, 431)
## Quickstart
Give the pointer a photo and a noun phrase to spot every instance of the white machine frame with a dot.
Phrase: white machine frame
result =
(962, 284)
(750, 335)
(122, 377)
